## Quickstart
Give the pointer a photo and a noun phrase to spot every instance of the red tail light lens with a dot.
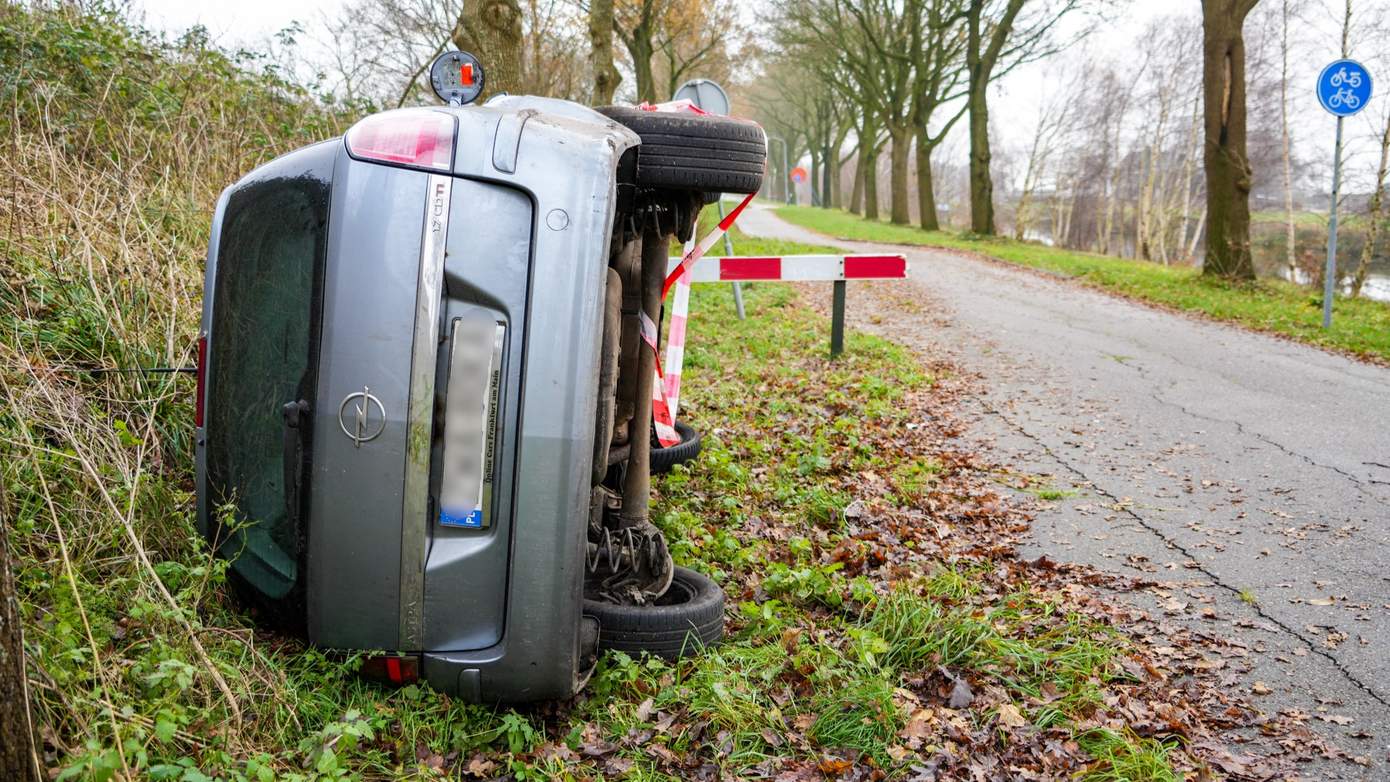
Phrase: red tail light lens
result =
(391, 669)
(409, 137)
(202, 379)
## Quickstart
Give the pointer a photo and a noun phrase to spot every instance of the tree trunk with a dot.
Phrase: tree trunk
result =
(606, 76)
(871, 185)
(837, 188)
(641, 49)
(1290, 236)
(926, 190)
(1373, 215)
(491, 30)
(897, 175)
(1189, 167)
(815, 178)
(17, 756)
(1196, 237)
(1145, 228)
(1227, 167)
(981, 186)
(1031, 175)
(826, 193)
(856, 198)
(837, 195)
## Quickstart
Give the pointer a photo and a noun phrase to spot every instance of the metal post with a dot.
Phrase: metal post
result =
(837, 320)
(786, 174)
(1329, 283)
(729, 250)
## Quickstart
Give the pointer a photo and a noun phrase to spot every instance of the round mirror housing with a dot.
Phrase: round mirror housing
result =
(457, 78)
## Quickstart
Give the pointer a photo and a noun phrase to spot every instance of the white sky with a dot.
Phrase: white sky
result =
(234, 22)
(1015, 101)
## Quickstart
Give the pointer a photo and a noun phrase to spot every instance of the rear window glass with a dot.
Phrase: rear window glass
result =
(264, 346)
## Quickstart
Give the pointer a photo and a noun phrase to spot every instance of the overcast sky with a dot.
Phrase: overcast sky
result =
(253, 22)
(236, 22)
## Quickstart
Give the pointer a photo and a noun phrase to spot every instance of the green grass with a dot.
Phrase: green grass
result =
(1051, 493)
(142, 664)
(1124, 757)
(1360, 327)
(752, 245)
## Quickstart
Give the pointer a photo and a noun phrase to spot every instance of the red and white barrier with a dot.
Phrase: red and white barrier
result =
(693, 267)
(797, 268)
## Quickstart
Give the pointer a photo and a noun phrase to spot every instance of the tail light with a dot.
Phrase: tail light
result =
(421, 138)
(391, 669)
(202, 379)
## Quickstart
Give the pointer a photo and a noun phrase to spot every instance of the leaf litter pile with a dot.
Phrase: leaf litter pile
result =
(881, 624)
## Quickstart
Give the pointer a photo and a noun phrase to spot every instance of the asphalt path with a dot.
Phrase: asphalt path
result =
(1248, 474)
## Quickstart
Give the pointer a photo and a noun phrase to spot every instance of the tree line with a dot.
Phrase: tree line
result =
(1147, 151)
(1144, 155)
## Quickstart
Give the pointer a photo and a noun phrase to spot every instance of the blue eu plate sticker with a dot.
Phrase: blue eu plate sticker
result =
(473, 519)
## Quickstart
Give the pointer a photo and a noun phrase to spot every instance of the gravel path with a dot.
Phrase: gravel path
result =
(1249, 474)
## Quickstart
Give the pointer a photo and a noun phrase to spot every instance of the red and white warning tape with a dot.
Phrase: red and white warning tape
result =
(666, 386)
(797, 268)
(662, 415)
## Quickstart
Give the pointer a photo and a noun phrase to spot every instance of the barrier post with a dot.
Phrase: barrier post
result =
(729, 250)
(837, 320)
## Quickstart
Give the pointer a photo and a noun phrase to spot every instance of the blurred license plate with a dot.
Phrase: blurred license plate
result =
(470, 423)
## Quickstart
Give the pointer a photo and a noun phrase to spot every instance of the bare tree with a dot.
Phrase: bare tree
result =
(1375, 213)
(1189, 167)
(996, 41)
(1375, 209)
(383, 48)
(1117, 92)
(937, 52)
(1054, 118)
(1290, 260)
(1168, 42)
(887, 29)
(695, 38)
(1225, 161)
(833, 40)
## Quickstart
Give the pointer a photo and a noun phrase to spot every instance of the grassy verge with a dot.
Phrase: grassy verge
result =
(878, 617)
(1360, 326)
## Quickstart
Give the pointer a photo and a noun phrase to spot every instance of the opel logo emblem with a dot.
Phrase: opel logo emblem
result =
(360, 423)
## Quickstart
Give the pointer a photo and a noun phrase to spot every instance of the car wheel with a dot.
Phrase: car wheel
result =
(687, 151)
(663, 459)
(686, 619)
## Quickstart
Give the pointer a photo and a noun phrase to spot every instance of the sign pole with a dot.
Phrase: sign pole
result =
(1344, 88)
(1329, 276)
(837, 319)
(786, 172)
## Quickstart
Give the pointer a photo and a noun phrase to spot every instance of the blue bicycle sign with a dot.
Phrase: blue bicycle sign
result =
(1344, 87)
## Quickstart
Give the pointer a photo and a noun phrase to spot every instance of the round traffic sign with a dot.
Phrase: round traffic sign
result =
(798, 175)
(1344, 87)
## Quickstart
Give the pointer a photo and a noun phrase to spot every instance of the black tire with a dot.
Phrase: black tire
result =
(685, 620)
(663, 459)
(689, 151)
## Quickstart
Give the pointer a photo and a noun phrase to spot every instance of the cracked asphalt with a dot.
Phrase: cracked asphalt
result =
(1247, 474)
